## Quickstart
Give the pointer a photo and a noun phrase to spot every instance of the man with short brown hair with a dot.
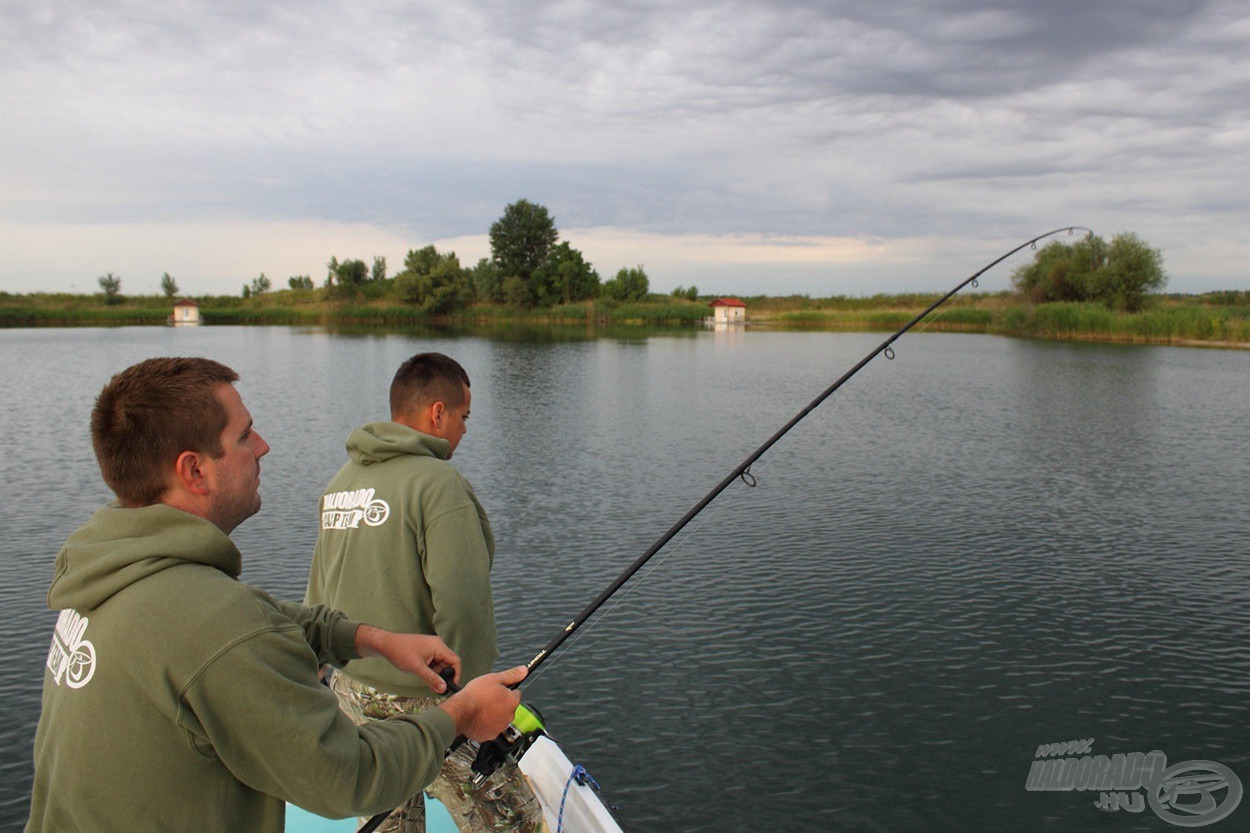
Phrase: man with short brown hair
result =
(178, 698)
(404, 538)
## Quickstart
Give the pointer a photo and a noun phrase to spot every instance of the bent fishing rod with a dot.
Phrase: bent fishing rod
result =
(743, 470)
(528, 724)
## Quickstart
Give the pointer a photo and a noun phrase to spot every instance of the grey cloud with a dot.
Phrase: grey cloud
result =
(786, 118)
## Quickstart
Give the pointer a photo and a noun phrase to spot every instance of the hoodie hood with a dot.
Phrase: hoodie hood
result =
(378, 442)
(119, 547)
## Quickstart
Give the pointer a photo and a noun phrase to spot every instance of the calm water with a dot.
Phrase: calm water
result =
(980, 547)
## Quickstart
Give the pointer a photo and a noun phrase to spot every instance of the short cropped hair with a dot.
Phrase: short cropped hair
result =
(149, 414)
(424, 379)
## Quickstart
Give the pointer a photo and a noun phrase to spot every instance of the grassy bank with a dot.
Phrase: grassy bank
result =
(1216, 319)
(1221, 318)
(306, 308)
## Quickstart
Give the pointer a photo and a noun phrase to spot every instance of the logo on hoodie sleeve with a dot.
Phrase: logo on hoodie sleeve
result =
(345, 510)
(71, 657)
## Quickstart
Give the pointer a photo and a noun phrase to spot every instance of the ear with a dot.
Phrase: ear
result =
(436, 413)
(189, 473)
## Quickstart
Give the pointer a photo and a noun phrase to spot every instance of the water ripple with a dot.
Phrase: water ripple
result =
(981, 547)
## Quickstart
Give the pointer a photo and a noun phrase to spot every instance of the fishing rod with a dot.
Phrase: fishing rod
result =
(528, 724)
(743, 470)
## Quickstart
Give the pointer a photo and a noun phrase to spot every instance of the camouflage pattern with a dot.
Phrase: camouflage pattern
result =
(503, 802)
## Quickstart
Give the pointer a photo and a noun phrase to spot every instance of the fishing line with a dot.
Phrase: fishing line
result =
(946, 312)
(743, 470)
(961, 302)
(642, 578)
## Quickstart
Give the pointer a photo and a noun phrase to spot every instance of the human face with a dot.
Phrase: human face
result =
(234, 477)
(452, 423)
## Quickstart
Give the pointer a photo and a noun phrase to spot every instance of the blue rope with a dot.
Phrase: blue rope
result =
(580, 775)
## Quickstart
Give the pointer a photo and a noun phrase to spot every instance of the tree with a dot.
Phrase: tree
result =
(487, 281)
(168, 285)
(1133, 269)
(300, 282)
(628, 285)
(515, 292)
(521, 239)
(564, 277)
(434, 281)
(349, 273)
(378, 272)
(260, 285)
(112, 286)
(1119, 275)
(421, 261)
(345, 279)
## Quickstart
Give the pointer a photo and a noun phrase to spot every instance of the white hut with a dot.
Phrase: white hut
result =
(186, 314)
(728, 311)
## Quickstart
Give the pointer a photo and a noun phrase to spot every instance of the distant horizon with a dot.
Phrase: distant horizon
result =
(847, 268)
(179, 296)
(725, 265)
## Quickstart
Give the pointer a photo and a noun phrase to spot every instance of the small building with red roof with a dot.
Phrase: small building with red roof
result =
(186, 314)
(728, 311)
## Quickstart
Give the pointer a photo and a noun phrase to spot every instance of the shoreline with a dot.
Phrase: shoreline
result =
(1215, 320)
(563, 328)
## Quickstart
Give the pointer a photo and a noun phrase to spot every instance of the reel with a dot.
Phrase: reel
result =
(513, 742)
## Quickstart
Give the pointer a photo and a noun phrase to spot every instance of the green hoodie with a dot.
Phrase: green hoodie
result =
(179, 698)
(405, 545)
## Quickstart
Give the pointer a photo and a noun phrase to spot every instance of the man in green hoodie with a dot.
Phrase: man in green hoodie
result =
(177, 697)
(404, 538)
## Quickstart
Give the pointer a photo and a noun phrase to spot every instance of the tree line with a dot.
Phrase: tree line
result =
(530, 267)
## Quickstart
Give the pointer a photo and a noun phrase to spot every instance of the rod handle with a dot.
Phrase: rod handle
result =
(449, 676)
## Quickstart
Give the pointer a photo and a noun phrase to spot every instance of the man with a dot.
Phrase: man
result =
(175, 696)
(404, 540)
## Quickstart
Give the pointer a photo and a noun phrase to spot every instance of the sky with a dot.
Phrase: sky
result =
(831, 147)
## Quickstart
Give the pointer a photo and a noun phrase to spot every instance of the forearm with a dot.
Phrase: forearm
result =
(422, 655)
(261, 709)
(331, 635)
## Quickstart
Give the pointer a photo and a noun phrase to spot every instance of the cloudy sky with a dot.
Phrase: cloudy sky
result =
(808, 146)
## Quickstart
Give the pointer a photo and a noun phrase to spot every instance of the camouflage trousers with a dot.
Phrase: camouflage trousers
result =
(504, 802)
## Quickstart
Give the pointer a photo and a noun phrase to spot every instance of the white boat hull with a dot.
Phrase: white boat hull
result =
(549, 772)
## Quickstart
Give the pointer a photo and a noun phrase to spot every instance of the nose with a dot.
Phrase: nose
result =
(261, 446)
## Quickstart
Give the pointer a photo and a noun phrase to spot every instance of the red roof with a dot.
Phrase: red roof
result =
(186, 302)
(727, 302)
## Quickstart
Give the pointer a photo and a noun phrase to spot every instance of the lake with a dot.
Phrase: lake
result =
(982, 547)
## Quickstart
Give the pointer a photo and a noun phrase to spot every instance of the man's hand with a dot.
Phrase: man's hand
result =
(415, 653)
(485, 707)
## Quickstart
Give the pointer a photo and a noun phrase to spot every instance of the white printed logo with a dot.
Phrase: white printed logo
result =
(345, 510)
(71, 657)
